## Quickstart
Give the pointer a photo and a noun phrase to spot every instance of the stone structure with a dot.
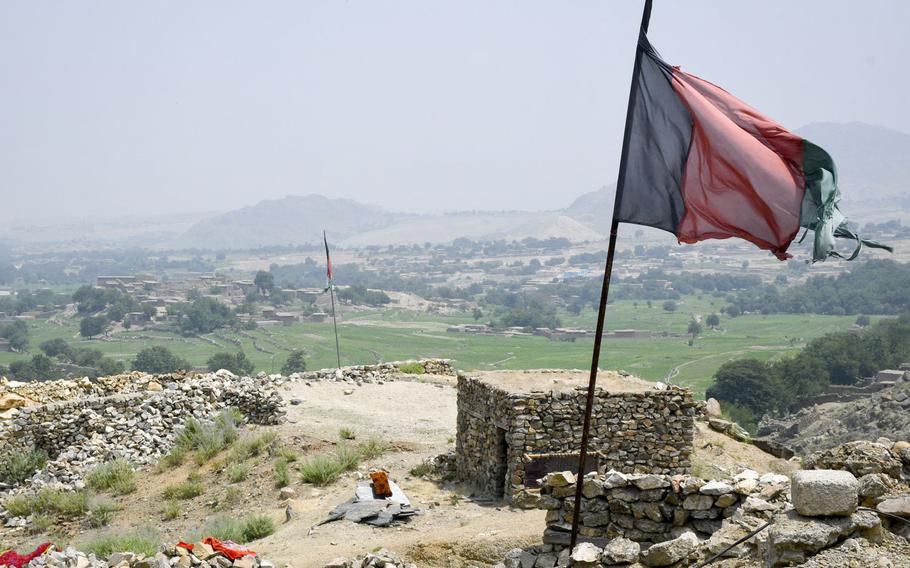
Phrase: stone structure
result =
(511, 431)
(137, 426)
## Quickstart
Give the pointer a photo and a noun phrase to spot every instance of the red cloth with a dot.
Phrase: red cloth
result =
(13, 558)
(228, 548)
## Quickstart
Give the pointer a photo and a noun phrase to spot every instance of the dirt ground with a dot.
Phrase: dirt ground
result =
(416, 417)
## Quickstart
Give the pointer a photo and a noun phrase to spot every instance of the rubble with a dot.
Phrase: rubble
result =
(372, 509)
(381, 558)
(166, 557)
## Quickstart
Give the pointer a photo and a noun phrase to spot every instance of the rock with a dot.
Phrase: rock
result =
(871, 486)
(585, 554)
(647, 482)
(245, 562)
(712, 408)
(348, 391)
(899, 506)
(287, 493)
(859, 458)
(154, 386)
(773, 479)
(620, 550)
(698, 502)
(560, 479)
(817, 493)
(613, 479)
(339, 562)
(754, 504)
(670, 552)
(513, 558)
(793, 538)
(716, 488)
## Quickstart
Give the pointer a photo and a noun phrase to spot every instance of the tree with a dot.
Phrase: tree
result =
(264, 281)
(158, 359)
(107, 367)
(236, 363)
(16, 333)
(56, 348)
(477, 314)
(295, 363)
(204, 315)
(670, 306)
(694, 329)
(93, 325)
(713, 320)
(862, 320)
(748, 382)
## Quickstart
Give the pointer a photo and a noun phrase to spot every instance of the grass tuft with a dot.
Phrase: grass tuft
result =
(237, 472)
(346, 434)
(191, 487)
(225, 527)
(144, 540)
(116, 477)
(49, 501)
(372, 448)
(171, 510)
(411, 369)
(16, 467)
(282, 476)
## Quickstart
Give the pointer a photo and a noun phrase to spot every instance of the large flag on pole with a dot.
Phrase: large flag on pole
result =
(702, 164)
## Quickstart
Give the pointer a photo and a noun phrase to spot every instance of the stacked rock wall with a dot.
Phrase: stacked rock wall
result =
(138, 426)
(650, 508)
(379, 371)
(649, 431)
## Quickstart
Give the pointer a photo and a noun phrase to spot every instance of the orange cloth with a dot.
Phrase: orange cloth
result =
(228, 548)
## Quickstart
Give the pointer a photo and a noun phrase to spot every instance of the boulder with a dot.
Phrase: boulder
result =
(585, 555)
(560, 479)
(670, 552)
(716, 488)
(859, 458)
(712, 408)
(871, 487)
(620, 550)
(824, 492)
(899, 506)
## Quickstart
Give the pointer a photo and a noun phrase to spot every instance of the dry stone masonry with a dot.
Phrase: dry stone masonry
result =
(508, 438)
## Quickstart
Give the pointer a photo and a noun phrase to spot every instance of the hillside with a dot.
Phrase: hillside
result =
(291, 220)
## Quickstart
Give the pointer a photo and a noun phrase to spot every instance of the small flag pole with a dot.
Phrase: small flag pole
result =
(605, 289)
(331, 278)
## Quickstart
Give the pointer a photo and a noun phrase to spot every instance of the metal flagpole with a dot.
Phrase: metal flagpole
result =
(335, 321)
(605, 289)
(329, 273)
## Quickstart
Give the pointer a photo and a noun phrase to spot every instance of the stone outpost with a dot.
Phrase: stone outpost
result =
(514, 428)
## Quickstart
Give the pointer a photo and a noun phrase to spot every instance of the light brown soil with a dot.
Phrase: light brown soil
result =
(417, 419)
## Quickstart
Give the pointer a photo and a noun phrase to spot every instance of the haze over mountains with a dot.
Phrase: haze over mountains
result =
(873, 162)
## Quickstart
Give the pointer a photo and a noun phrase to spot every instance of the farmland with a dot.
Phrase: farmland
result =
(390, 334)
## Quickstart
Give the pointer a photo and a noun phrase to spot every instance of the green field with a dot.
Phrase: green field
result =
(392, 334)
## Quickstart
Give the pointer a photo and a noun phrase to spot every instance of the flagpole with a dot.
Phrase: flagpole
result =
(605, 288)
(335, 321)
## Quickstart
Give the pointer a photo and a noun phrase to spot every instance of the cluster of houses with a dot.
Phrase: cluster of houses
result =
(161, 295)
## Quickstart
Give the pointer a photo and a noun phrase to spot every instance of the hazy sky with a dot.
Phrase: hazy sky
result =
(129, 107)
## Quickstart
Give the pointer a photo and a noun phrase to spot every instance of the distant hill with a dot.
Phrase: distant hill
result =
(291, 220)
(873, 162)
(594, 208)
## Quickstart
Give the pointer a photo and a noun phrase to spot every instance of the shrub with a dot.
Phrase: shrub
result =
(175, 458)
(144, 540)
(372, 448)
(191, 487)
(237, 472)
(287, 455)
(421, 470)
(207, 439)
(224, 527)
(116, 477)
(171, 510)
(255, 446)
(294, 364)
(100, 513)
(346, 434)
(49, 501)
(412, 368)
(347, 458)
(19, 466)
(282, 477)
(320, 470)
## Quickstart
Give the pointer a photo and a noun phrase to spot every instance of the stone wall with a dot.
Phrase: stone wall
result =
(378, 371)
(137, 426)
(498, 431)
(650, 508)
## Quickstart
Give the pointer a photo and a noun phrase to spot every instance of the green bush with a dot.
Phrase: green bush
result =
(224, 527)
(144, 540)
(372, 448)
(254, 446)
(207, 439)
(346, 434)
(282, 477)
(411, 368)
(320, 470)
(17, 467)
(116, 477)
(100, 513)
(421, 470)
(191, 487)
(171, 510)
(237, 472)
(49, 501)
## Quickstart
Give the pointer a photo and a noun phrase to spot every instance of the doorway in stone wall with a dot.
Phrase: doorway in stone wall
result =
(502, 462)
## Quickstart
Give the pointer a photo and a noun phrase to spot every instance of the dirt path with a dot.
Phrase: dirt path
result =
(418, 419)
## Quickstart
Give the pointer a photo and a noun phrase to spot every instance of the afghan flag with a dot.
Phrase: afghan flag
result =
(702, 164)
(328, 261)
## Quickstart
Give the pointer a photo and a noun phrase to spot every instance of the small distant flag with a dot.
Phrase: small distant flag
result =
(328, 259)
(702, 164)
